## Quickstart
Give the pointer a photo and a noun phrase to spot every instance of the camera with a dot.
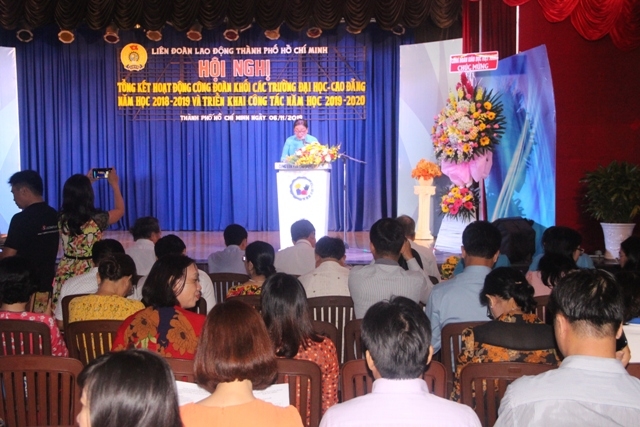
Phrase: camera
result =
(101, 173)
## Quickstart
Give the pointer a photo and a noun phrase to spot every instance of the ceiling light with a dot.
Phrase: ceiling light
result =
(195, 32)
(66, 36)
(111, 34)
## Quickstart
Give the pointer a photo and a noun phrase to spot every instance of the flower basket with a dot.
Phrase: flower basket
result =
(313, 155)
(425, 171)
(459, 202)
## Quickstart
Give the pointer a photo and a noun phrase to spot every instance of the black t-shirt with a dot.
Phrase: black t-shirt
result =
(33, 233)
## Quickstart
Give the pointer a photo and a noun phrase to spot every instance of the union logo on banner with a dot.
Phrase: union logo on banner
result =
(133, 57)
(479, 61)
(301, 188)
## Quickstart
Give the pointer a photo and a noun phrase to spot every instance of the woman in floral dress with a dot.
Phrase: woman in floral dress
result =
(165, 326)
(515, 335)
(81, 225)
(258, 260)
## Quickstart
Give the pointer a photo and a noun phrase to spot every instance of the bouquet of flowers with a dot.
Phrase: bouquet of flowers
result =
(425, 170)
(314, 155)
(446, 269)
(470, 124)
(459, 201)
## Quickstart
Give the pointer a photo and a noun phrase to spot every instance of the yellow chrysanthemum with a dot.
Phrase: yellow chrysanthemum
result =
(466, 148)
(475, 115)
(484, 141)
(491, 115)
(482, 126)
(487, 105)
(445, 208)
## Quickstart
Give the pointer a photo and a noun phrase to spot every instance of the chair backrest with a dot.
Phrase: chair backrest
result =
(200, 307)
(337, 310)
(182, 369)
(493, 379)
(326, 329)
(357, 380)
(305, 392)
(24, 337)
(39, 390)
(634, 369)
(254, 301)
(352, 340)
(451, 346)
(223, 281)
(541, 309)
(89, 339)
(65, 308)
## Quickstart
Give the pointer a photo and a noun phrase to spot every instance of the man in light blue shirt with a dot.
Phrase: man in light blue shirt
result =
(458, 300)
(591, 387)
(230, 260)
(299, 139)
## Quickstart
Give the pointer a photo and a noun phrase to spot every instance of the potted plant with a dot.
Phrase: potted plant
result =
(613, 197)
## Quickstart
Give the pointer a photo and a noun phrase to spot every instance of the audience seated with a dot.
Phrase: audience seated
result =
(173, 245)
(550, 269)
(129, 388)
(109, 302)
(630, 283)
(165, 326)
(591, 387)
(145, 232)
(300, 258)
(629, 255)
(429, 264)
(234, 357)
(81, 225)
(330, 277)
(16, 287)
(502, 261)
(286, 314)
(515, 335)
(258, 262)
(458, 299)
(87, 283)
(564, 241)
(396, 335)
(384, 277)
(229, 260)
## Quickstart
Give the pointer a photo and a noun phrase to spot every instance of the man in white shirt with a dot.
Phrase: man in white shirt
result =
(300, 258)
(429, 263)
(173, 245)
(145, 232)
(396, 335)
(385, 278)
(591, 387)
(330, 277)
(87, 283)
(230, 260)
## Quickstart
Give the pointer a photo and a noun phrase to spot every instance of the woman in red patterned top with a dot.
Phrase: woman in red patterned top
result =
(258, 260)
(165, 326)
(286, 313)
(15, 289)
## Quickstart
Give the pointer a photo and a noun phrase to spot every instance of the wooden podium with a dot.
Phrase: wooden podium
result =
(303, 193)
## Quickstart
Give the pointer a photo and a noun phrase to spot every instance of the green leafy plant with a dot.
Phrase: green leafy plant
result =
(613, 192)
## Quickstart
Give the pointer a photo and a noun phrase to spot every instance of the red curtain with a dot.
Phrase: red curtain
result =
(594, 19)
(498, 27)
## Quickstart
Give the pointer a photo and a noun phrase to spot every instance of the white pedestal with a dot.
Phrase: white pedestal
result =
(424, 192)
(450, 235)
(303, 193)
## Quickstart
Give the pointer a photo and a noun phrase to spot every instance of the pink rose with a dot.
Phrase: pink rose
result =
(468, 206)
(453, 211)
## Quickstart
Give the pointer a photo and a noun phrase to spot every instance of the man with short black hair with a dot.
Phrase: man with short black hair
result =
(230, 260)
(591, 387)
(384, 278)
(458, 299)
(397, 337)
(330, 277)
(87, 283)
(145, 232)
(300, 258)
(33, 233)
(429, 263)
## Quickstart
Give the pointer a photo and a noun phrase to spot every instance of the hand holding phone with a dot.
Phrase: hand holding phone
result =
(100, 173)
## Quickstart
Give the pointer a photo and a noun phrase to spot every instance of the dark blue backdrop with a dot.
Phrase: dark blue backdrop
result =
(195, 175)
